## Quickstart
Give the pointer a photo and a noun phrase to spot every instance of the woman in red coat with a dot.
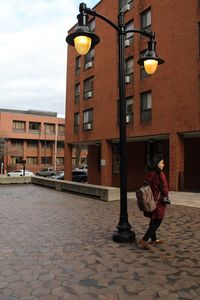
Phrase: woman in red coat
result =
(156, 178)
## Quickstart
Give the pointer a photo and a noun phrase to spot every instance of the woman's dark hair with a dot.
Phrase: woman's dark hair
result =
(152, 165)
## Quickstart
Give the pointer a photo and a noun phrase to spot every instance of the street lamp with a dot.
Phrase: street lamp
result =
(83, 40)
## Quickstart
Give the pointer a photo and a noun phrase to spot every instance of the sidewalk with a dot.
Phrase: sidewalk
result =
(58, 246)
(180, 198)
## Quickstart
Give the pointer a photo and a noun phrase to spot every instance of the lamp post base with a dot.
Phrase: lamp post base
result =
(124, 236)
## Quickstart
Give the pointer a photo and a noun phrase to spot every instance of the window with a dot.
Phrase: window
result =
(17, 143)
(88, 88)
(49, 128)
(78, 65)
(88, 119)
(32, 144)
(32, 160)
(19, 126)
(143, 73)
(146, 20)
(89, 59)
(60, 144)
(77, 93)
(129, 110)
(60, 160)
(76, 122)
(129, 69)
(61, 129)
(145, 106)
(47, 144)
(46, 160)
(92, 25)
(34, 126)
(125, 5)
(129, 36)
(15, 158)
(115, 159)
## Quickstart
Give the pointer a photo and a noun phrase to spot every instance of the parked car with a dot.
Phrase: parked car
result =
(20, 173)
(46, 172)
(59, 176)
(82, 168)
(77, 175)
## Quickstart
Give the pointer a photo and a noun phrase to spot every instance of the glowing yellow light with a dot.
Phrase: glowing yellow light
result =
(150, 66)
(82, 44)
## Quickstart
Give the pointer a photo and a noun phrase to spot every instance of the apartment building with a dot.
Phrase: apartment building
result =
(35, 136)
(162, 110)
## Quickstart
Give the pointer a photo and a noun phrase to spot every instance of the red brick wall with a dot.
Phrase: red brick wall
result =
(6, 131)
(174, 87)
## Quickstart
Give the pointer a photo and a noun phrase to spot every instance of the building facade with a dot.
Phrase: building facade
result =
(34, 136)
(162, 110)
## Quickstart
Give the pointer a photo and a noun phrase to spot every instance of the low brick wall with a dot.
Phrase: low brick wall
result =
(15, 179)
(101, 192)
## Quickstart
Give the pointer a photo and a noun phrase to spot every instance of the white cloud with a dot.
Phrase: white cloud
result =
(33, 52)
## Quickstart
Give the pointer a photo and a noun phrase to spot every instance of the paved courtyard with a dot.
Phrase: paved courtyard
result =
(55, 245)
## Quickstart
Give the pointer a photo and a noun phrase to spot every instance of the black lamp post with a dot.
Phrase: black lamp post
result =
(83, 40)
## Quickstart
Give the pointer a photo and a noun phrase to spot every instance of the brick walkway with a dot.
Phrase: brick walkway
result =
(54, 246)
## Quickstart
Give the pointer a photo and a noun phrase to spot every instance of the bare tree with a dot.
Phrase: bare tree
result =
(2, 148)
(15, 151)
(77, 152)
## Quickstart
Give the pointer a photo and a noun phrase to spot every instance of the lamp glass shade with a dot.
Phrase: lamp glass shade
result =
(150, 66)
(82, 44)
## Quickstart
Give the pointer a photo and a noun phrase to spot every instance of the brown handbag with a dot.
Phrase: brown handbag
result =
(145, 199)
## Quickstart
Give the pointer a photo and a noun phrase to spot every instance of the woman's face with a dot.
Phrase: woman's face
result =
(161, 164)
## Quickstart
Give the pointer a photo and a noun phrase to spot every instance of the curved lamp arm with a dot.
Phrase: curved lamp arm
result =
(83, 9)
(148, 34)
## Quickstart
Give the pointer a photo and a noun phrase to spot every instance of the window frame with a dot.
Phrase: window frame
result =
(50, 128)
(37, 126)
(32, 144)
(77, 65)
(16, 126)
(129, 114)
(31, 160)
(146, 20)
(123, 3)
(60, 161)
(89, 58)
(46, 160)
(145, 109)
(129, 71)
(88, 87)
(60, 144)
(77, 93)
(76, 122)
(88, 119)
(130, 35)
(61, 132)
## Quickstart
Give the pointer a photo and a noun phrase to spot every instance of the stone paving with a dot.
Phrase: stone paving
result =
(56, 246)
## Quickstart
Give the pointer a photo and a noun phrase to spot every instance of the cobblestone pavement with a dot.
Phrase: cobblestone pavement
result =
(55, 245)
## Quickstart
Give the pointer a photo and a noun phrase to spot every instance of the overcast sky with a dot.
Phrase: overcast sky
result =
(33, 52)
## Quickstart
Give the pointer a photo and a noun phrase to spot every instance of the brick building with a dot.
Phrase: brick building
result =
(162, 110)
(35, 136)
